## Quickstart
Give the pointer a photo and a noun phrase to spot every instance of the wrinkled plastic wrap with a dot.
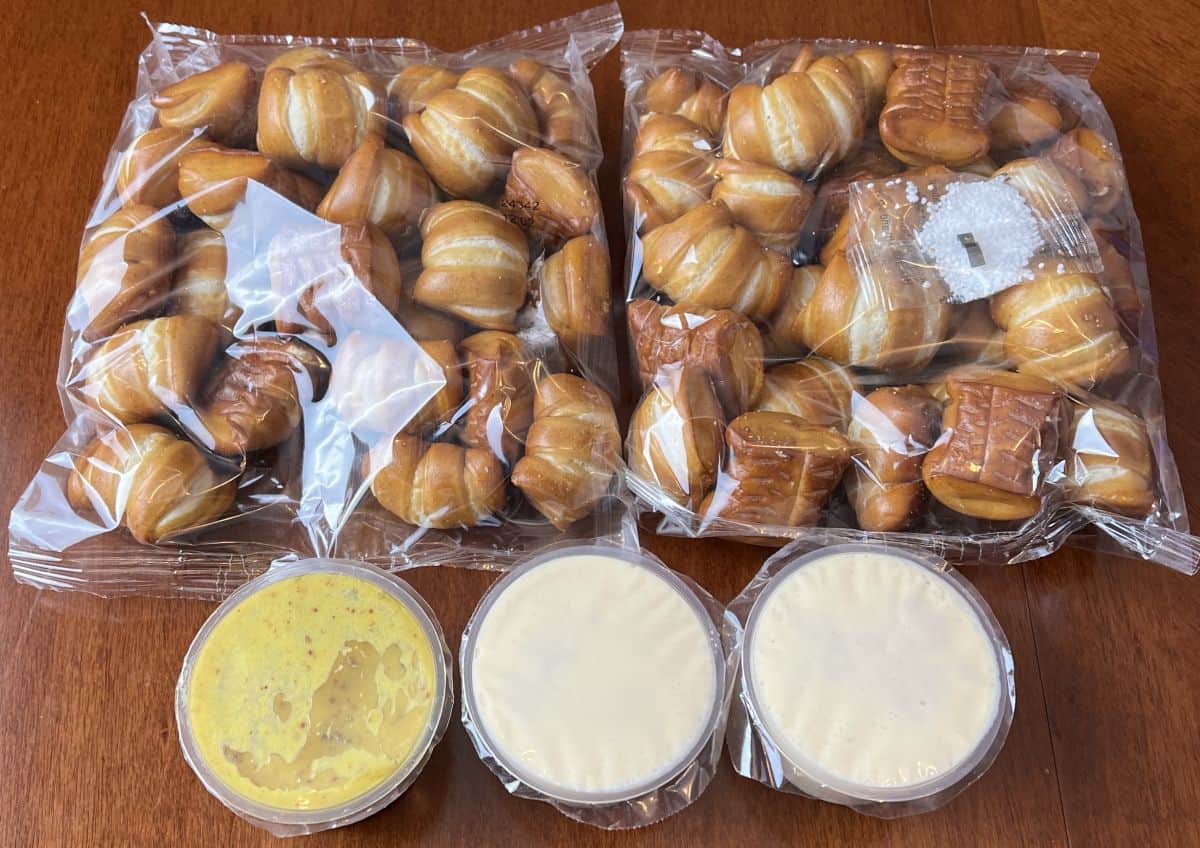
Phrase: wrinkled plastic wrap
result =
(758, 747)
(609, 809)
(889, 290)
(336, 297)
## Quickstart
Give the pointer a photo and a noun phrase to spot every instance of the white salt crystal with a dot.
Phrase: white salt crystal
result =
(980, 237)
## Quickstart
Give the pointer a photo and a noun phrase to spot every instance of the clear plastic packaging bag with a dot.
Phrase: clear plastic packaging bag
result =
(597, 680)
(890, 291)
(871, 675)
(336, 297)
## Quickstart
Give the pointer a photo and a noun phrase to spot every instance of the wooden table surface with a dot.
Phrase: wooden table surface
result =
(1105, 745)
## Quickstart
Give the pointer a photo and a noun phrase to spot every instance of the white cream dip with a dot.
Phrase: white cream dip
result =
(871, 672)
(593, 675)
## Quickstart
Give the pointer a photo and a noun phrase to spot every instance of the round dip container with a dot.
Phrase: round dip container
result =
(875, 677)
(592, 676)
(314, 695)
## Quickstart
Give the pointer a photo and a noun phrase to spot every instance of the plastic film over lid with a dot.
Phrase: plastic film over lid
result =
(597, 680)
(872, 676)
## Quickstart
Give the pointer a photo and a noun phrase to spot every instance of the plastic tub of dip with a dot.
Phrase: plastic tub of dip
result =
(872, 676)
(314, 695)
(595, 678)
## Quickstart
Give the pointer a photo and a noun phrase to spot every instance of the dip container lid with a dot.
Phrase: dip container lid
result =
(820, 783)
(484, 740)
(286, 822)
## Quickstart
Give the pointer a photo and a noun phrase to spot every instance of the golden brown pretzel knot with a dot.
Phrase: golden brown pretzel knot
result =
(677, 435)
(465, 136)
(439, 485)
(150, 480)
(222, 102)
(255, 397)
(892, 429)
(572, 450)
(124, 271)
(804, 122)
(475, 264)
(316, 108)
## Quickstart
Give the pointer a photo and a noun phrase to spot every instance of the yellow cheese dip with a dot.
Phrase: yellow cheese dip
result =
(312, 691)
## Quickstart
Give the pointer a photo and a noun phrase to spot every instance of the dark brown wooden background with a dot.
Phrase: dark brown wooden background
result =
(1106, 744)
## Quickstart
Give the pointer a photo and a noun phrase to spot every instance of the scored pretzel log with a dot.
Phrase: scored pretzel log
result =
(1000, 435)
(934, 110)
(779, 471)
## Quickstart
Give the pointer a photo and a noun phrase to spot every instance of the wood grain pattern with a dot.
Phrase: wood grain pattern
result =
(1106, 738)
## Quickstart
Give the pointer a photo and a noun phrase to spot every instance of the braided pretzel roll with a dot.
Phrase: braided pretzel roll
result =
(500, 373)
(550, 196)
(253, 400)
(475, 264)
(1053, 193)
(124, 271)
(465, 135)
(663, 183)
(572, 452)
(1110, 464)
(779, 471)
(1088, 155)
(316, 108)
(1000, 436)
(561, 114)
(872, 67)
(222, 102)
(326, 293)
(151, 368)
(213, 183)
(768, 202)
(725, 345)
(576, 292)
(671, 132)
(688, 94)
(1028, 118)
(886, 321)
(148, 172)
(677, 435)
(784, 332)
(198, 287)
(804, 122)
(934, 110)
(705, 259)
(891, 431)
(672, 170)
(815, 390)
(421, 322)
(148, 479)
(411, 90)
(1061, 327)
(382, 186)
(439, 485)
